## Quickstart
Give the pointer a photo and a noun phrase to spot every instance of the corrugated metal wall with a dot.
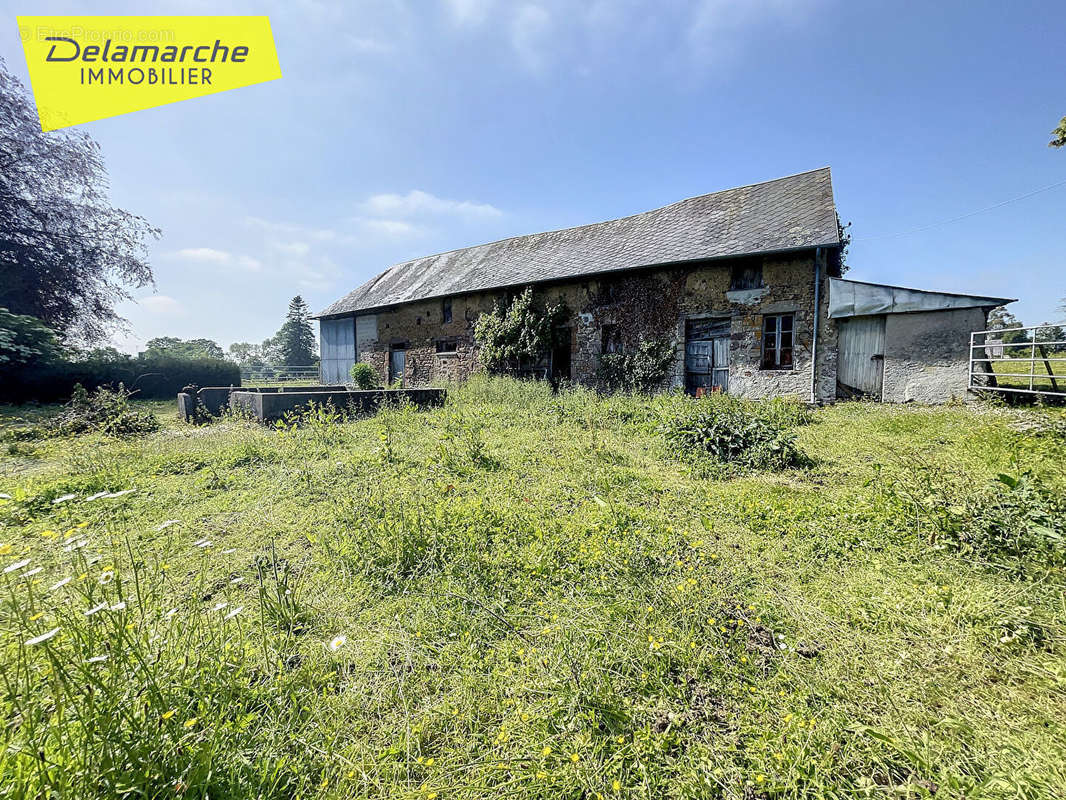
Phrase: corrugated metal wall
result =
(338, 349)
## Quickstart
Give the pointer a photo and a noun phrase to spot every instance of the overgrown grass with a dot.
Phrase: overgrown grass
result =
(522, 594)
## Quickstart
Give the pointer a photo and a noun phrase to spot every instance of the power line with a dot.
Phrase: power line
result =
(963, 216)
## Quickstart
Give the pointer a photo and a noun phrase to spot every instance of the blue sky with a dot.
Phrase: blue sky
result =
(404, 127)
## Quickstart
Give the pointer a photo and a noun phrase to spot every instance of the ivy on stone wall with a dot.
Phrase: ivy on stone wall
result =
(519, 336)
(641, 370)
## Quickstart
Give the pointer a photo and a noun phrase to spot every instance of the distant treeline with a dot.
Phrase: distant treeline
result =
(153, 377)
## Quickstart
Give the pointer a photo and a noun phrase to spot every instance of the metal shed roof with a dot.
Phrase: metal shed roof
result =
(790, 213)
(856, 299)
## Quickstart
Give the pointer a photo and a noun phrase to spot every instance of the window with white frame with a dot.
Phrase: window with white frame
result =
(777, 330)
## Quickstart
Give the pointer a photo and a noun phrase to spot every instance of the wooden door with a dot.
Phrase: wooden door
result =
(861, 364)
(720, 374)
(707, 355)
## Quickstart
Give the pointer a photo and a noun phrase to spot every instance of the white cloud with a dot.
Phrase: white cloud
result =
(469, 12)
(162, 304)
(217, 258)
(370, 45)
(389, 227)
(206, 255)
(293, 229)
(719, 29)
(529, 36)
(295, 249)
(416, 202)
(592, 35)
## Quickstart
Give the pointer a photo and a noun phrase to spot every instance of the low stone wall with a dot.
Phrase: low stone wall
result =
(271, 406)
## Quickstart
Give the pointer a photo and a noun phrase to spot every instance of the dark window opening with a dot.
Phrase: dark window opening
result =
(777, 341)
(560, 361)
(609, 292)
(612, 339)
(446, 310)
(747, 275)
(447, 346)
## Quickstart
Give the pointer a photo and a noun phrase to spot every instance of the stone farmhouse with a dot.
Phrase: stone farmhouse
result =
(745, 283)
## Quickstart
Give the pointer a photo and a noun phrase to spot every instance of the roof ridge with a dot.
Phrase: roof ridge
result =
(593, 224)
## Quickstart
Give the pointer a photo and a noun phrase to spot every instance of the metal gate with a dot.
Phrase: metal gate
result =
(1025, 360)
(707, 355)
(861, 365)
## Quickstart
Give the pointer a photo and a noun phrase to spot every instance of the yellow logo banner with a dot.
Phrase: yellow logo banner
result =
(88, 68)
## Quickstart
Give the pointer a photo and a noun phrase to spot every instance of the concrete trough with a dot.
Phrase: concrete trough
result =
(271, 406)
(213, 399)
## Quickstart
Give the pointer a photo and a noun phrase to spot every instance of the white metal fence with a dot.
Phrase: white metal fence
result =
(251, 376)
(1033, 362)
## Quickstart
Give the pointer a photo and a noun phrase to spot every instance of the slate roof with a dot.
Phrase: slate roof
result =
(790, 213)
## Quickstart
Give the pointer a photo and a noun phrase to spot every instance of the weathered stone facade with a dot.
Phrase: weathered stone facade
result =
(650, 303)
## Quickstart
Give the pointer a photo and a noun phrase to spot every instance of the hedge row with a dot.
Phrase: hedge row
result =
(153, 377)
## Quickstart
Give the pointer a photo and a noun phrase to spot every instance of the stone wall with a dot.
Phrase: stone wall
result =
(927, 354)
(641, 303)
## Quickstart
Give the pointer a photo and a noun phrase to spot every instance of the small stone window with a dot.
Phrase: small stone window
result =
(777, 341)
(612, 339)
(746, 275)
(446, 310)
(447, 347)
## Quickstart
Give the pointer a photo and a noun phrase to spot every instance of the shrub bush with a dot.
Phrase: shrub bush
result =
(105, 410)
(1014, 522)
(730, 430)
(152, 378)
(641, 370)
(363, 376)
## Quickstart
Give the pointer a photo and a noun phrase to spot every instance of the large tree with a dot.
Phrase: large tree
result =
(25, 341)
(999, 319)
(67, 256)
(247, 354)
(181, 348)
(294, 344)
(1051, 333)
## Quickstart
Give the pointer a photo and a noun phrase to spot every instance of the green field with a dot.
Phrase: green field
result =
(528, 595)
(1015, 373)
